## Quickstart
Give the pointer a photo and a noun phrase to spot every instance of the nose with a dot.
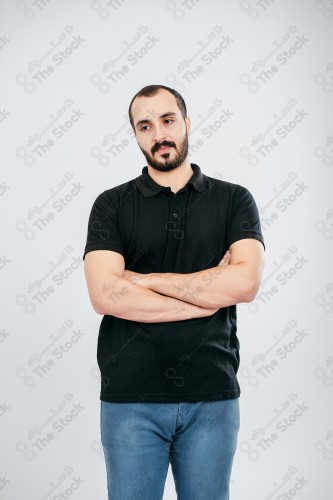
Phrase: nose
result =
(159, 134)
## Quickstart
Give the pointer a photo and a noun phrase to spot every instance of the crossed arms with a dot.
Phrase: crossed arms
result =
(162, 297)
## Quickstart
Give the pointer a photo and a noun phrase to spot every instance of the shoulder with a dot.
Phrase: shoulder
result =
(114, 195)
(227, 188)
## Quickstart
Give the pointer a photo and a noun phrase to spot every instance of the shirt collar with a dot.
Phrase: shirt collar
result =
(149, 187)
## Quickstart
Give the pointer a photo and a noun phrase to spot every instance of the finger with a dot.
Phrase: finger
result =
(225, 258)
(133, 279)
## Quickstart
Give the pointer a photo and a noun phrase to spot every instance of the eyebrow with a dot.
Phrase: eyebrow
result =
(147, 120)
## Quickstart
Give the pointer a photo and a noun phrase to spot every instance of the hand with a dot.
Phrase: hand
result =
(138, 278)
(132, 276)
(127, 273)
(225, 259)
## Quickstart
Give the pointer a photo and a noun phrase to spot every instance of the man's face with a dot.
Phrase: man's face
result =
(160, 129)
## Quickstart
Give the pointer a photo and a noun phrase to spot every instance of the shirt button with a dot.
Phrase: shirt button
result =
(175, 215)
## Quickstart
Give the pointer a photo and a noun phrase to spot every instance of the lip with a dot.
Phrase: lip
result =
(163, 149)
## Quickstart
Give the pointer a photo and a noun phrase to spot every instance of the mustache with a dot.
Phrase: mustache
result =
(164, 143)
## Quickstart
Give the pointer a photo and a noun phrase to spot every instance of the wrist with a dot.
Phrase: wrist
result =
(158, 282)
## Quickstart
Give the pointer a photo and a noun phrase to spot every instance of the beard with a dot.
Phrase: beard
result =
(167, 163)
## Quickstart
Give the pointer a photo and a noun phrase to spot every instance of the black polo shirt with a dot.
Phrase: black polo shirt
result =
(157, 230)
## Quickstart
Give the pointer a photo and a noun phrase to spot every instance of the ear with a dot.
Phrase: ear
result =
(188, 124)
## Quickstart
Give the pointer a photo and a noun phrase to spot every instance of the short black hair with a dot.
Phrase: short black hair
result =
(151, 90)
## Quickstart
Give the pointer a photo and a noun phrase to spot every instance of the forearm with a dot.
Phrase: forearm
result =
(213, 288)
(123, 299)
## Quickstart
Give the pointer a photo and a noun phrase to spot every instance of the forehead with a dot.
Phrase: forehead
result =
(154, 106)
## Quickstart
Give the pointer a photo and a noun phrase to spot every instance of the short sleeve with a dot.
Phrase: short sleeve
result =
(244, 219)
(103, 227)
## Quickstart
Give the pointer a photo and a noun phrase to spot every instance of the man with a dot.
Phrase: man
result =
(168, 256)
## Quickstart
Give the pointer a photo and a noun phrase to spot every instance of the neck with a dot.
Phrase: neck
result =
(175, 179)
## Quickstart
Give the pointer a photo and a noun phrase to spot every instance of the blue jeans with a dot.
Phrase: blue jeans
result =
(198, 439)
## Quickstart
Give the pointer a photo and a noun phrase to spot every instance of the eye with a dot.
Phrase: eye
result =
(168, 120)
(144, 128)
